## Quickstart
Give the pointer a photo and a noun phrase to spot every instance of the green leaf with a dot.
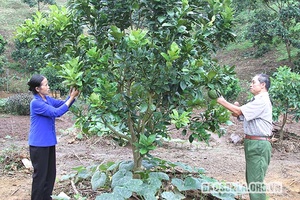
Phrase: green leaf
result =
(121, 177)
(84, 174)
(79, 168)
(159, 175)
(110, 196)
(123, 192)
(67, 177)
(211, 75)
(190, 183)
(183, 85)
(143, 139)
(182, 29)
(184, 166)
(143, 151)
(167, 24)
(144, 107)
(116, 33)
(127, 165)
(172, 196)
(229, 123)
(98, 180)
(161, 19)
(152, 107)
(166, 56)
(134, 185)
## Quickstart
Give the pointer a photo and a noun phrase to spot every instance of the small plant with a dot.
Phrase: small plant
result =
(11, 158)
(19, 104)
(159, 179)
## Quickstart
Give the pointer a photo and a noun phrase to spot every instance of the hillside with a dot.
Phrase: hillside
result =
(247, 67)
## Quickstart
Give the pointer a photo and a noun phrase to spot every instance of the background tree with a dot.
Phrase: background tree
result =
(140, 64)
(33, 3)
(276, 21)
(30, 60)
(3, 43)
(284, 93)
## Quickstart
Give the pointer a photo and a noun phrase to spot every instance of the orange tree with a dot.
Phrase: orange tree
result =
(140, 64)
(285, 96)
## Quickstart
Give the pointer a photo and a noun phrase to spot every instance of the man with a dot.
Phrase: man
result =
(257, 117)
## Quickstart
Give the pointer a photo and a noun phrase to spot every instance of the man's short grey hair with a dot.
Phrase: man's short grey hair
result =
(263, 78)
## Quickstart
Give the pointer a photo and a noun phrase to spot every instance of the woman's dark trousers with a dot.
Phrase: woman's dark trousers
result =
(44, 164)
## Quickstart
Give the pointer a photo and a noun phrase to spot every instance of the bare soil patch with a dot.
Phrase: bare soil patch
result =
(222, 159)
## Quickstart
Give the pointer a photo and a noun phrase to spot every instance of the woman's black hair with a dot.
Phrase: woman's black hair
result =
(34, 82)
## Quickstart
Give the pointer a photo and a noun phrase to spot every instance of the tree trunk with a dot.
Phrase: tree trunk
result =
(137, 159)
(288, 50)
(281, 128)
(39, 6)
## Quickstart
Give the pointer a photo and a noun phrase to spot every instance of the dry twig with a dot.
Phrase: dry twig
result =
(74, 187)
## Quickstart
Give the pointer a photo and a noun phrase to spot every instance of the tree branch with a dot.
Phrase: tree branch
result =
(115, 131)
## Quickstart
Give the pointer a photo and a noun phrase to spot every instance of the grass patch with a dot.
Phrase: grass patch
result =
(9, 20)
(239, 46)
(14, 4)
(13, 14)
(282, 53)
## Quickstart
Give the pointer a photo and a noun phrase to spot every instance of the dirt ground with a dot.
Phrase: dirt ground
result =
(222, 159)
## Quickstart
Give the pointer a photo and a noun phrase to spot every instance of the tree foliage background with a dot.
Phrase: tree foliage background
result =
(271, 23)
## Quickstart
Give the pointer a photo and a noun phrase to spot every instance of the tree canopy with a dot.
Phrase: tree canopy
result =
(276, 21)
(140, 65)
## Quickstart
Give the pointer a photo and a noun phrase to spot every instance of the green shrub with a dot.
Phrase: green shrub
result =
(19, 104)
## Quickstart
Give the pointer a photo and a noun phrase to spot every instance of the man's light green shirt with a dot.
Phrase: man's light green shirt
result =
(258, 116)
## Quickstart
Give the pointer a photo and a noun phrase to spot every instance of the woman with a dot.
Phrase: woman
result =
(42, 137)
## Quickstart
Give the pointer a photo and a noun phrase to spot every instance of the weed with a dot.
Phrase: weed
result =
(11, 158)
